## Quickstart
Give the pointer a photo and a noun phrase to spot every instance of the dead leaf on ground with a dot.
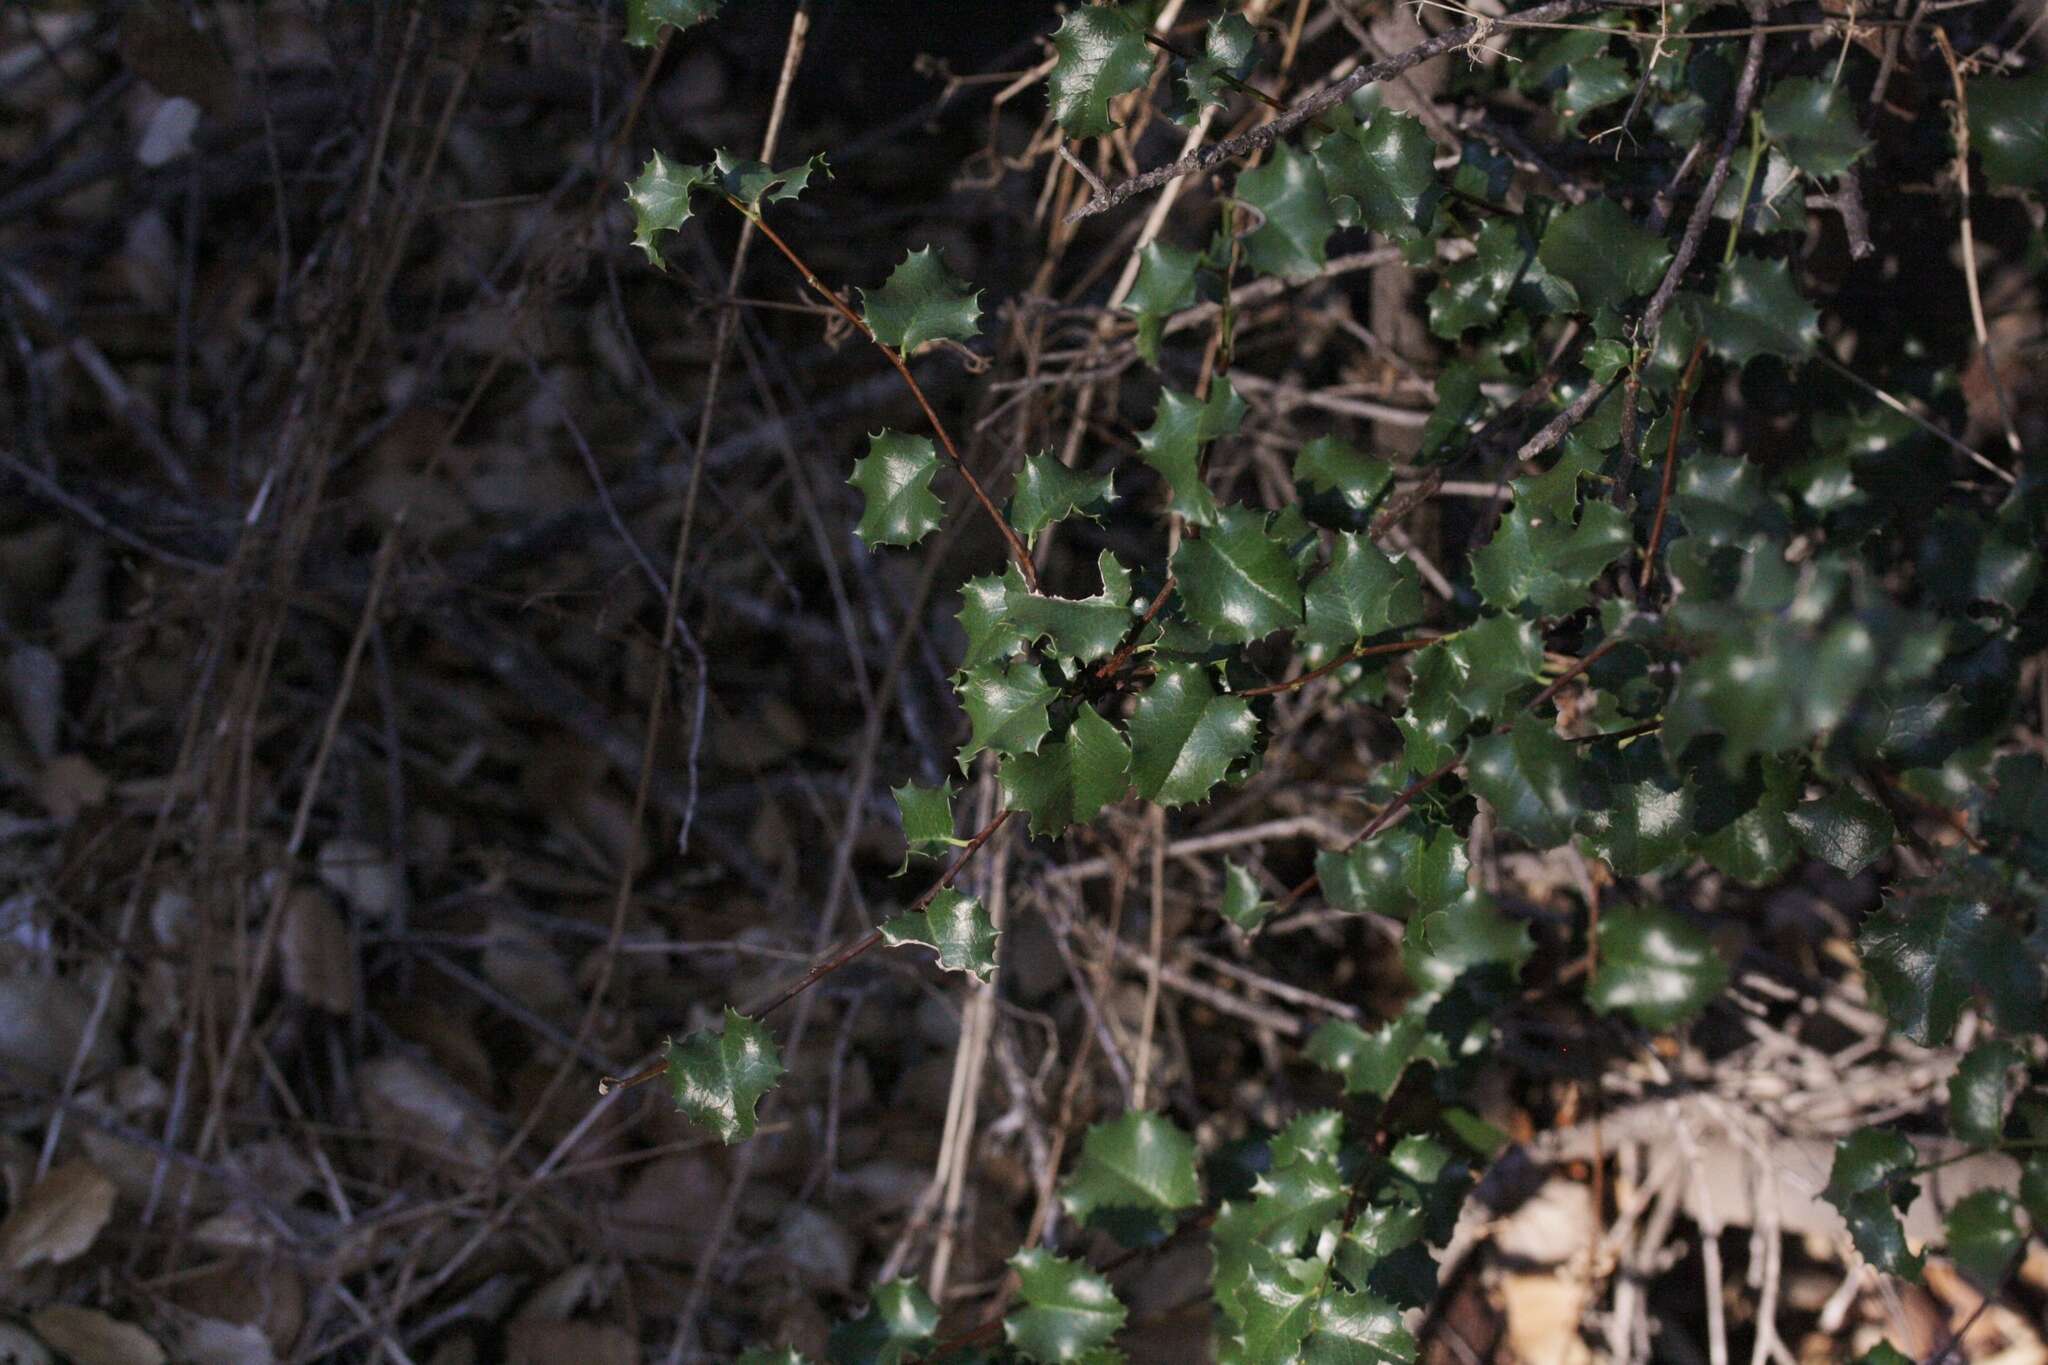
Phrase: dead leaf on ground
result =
(319, 966)
(209, 1341)
(42, 1020)
(364, 876)
(532, 1342)
(91, 1337)
(411, 1103)
(59, 1219)
(68, 785)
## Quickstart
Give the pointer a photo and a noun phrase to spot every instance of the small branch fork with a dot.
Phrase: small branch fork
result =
(1011, 539)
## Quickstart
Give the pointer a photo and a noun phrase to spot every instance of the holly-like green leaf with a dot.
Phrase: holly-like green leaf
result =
(895, 479)
(1006, 704)
(1871, 1181)
(927, 819)
(1380, 175)
(1458, 399)
(1237, 580)
(1382, 1253)
(1843, 830)
(754, 183)
(1173, 444)
(1469, 935)
(661, 196)
(1815, 123)
(1491, 660)
(1244, 904)
(899, 1322)
(1339, 484)
(921, 302)
(1433, 721)
(1532, 778)
(1980, 1091)
(1984, 1237)
(1047, 491)
(1370, 1063)
(1756, 311)
(1931, 953)
(1166, 284)
(719, 1078)
(1360, 593)
(2009, 128)
(1592, 83)
(1546, 561)
(1139, 1167)
(1184, 737)
(956, 926)
(1603, 253)
(1098, 54)
(1087, 629)
(2016, 817)
(985, 616)
(1371, 877)
(1744, 828)
(645, 19)
(1639, 814)
(1473, 292)
(1772, 686)
(1288, 192)
(1229, 48)
(1276, 1305)
(1068, 1309)
(1656, 966)
(1357, 1329)
(1072, 778)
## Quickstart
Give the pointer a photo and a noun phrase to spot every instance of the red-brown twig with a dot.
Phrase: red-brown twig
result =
(1015, 543)
(1110, 667)
(1348, 657)
(861, 945)
(1699, 349)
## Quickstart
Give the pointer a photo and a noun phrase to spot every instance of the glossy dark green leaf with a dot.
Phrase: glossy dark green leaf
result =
(1380, 175)
(1369, 1063)
(661, 197)
(1757, 310)
(1335, 477)
(1068, 1309)
(1965, 559)
(1357, 1329)
(717, 1079)
(1547, 562)
(1371, 877)
(1006, 704)
(1072, 778)
(1743, 826)
(927, 819)
(1639, 813)
(985, 616)
(1493, 659)
(1185, 737)
(1595, 82)
(895, 478)
(1532, 778)
(1656, 966)
(899, 1322)
(1815, 123)
(957, 926)
(1244, 904)
(1929, 954)
(1237, 580)
(921, 302)
(2009, 128)
(1047, 491)
(1884, 1353)
(1165, 285)
(1439, 870)
(1458, 400)
(1843, 830)
(1138, 1165)
(1603, 253)
(1098, 54)
(1229, 49)
(1086, 629)
(645, 19)
(1984, 1237)
(1289, 194)
(1360, 593)
(1871, 1182)
(754, 183)
(1433, 721)
(1470, 935)
(2016, 817)
(1980, 1091)
(1473, 292)
(1382, 1253)
(1173, 444)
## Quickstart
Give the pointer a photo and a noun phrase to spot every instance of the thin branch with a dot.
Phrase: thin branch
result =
(1349, 656)
(1692, 365)
(1018, 551)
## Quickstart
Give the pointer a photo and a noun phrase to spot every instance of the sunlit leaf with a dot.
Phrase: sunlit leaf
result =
(719, 1078)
